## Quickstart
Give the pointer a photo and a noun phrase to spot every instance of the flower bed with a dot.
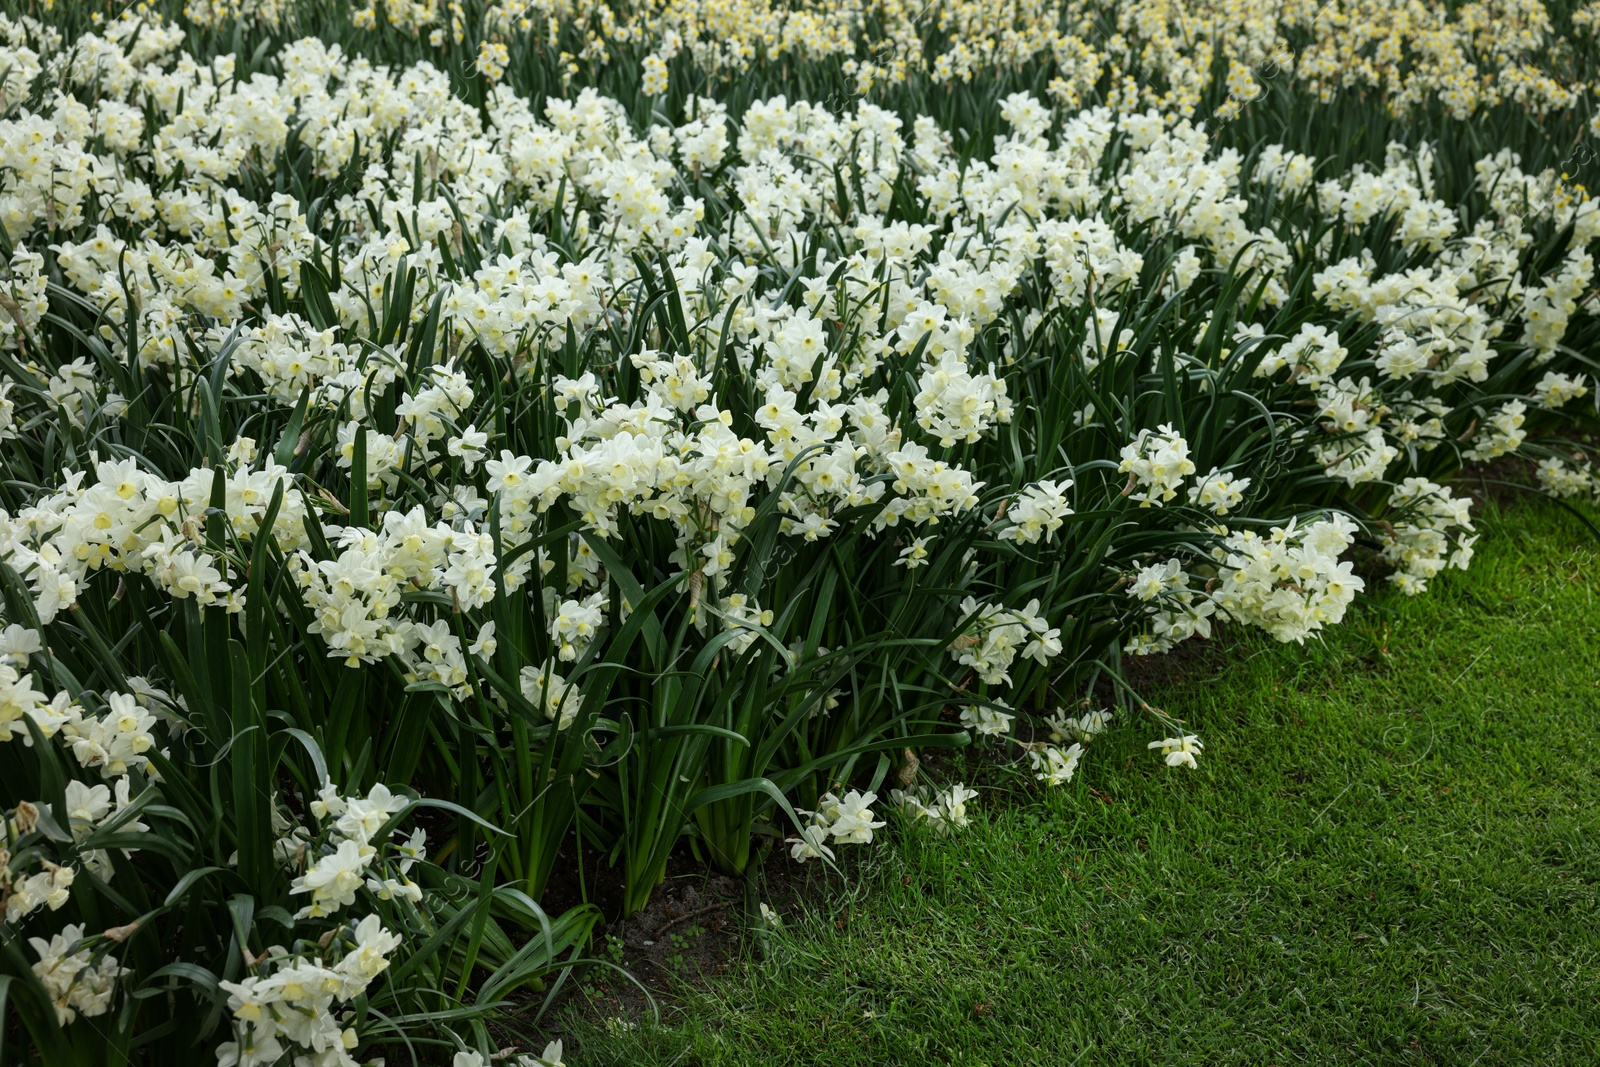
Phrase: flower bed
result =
(412, 473)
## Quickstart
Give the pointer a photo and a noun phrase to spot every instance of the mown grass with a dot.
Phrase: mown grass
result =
(1387, 856)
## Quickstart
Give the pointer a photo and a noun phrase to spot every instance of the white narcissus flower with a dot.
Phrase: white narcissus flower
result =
(945, 809)
(1158, 462)
(550, 1057)
(576, 623)
(18, 698)
(743, 615)
(86, 805)
(1565, 479)
(364, 816)
(951, 804)
(1432, 530)
(50, 887)
(1039, 511)
(485, 644)
(1055, 766)
(811, 844)
(17, 643)
(367, 957)
(1219, 492)
(1082, 728)
(547, 690)
(288, 1005)
(850, 819)
(1555, 389)
(115, 740)
(914, 555)
(846, 820)
(996, 636)
(986, 721)
(333, 880)
(1179, 751)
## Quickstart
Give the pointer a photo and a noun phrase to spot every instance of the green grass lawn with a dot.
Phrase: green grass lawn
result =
(1388, 856)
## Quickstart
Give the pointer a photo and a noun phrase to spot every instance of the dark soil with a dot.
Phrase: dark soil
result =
(1502, 482)
(698, 923)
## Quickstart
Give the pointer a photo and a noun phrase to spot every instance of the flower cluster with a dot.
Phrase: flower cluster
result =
(1156, 465)
(356, 593)
(348, 853)
(1291, 582)
(1568, 478)
(288, 1006)
(846, 820)
(79, 980)
(996, 636)
(1432, 530)
(945, 810)
(1037, 513)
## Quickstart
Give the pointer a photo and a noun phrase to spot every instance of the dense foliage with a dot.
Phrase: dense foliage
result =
(441, 441)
